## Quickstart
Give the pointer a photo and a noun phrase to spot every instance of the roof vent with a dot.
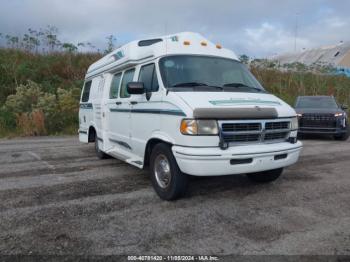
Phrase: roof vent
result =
(149, 42)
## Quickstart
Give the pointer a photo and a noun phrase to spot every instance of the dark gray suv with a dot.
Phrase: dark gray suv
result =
(322, 115)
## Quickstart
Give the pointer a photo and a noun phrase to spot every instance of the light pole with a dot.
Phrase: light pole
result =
(296, 32)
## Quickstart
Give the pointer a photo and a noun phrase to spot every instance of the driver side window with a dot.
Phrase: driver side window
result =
(148, 76)
(127, 77)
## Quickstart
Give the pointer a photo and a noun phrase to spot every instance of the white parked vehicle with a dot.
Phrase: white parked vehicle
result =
(181, 106)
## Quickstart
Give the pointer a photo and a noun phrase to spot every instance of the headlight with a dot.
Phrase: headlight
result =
(294, 125)
(199, 127)
(338, 114)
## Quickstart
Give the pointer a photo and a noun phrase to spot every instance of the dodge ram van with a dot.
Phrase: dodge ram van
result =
(181, 105)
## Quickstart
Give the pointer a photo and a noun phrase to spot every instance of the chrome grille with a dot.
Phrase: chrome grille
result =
(277, 125)
(238, 127)
(254, 131)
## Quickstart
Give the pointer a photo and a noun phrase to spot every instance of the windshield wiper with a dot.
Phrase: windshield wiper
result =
(196, 85)
(239, 85)
(189, 84)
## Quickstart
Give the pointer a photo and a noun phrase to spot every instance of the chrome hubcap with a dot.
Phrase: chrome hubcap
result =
(162, 171)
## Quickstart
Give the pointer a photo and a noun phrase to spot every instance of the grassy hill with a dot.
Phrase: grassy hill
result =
(39, 92)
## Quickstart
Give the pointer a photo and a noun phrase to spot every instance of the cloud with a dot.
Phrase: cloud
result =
(257, 28)
(271, 39)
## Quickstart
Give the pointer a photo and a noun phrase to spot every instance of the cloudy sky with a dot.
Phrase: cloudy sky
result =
(257, 28)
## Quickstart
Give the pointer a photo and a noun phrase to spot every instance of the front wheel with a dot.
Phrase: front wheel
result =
(344, 136)
(167, 179)
(266, 176)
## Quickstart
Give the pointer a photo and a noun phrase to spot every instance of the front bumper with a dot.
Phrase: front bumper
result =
(213, 161)
(327, 125)
(320, 130)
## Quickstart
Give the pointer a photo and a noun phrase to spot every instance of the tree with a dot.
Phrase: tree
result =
(50, 37)
(12, 41)
(244, 59)
(69, 47)
(110, 43)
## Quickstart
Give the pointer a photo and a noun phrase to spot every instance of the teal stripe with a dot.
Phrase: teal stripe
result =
(151, 111)
(243, 101)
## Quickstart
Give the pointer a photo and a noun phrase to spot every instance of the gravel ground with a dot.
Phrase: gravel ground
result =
(58, 198)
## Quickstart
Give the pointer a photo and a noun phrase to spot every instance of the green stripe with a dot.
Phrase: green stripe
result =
(151, 111)
(243, 101)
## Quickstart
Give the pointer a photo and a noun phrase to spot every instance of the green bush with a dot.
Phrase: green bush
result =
(35, 112)
(7, 120)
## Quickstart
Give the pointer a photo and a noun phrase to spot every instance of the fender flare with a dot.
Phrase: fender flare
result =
(156, 136)
(162, 136)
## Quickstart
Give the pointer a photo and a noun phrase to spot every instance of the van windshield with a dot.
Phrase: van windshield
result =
(206, 73)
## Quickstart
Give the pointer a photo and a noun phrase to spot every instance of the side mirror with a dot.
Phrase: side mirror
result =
(135, 88)
(344, 107)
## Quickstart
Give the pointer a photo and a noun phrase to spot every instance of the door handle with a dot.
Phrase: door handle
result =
(133, 102)
(118, 103)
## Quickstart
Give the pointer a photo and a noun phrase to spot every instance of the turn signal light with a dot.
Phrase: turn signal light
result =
(187, 43)
(204, 43)
(218, 46)
(188, 127)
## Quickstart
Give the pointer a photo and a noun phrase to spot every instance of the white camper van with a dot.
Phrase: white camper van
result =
(181, 105)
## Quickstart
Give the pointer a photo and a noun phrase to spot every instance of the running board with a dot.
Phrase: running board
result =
(135, 162)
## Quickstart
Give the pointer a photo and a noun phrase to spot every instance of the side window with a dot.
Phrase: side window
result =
(149, 78)
(155, 85)
(127, 77)
(86, 92)
(114, 90)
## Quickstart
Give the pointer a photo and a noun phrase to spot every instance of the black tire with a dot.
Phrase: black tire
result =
(301, 136)
(100, 154)
(266, 176)
(174, 187)
(343, 136)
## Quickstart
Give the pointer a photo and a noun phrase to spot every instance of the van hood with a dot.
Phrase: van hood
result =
(235, 100)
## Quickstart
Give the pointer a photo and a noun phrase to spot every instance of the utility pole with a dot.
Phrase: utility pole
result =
(296, 32)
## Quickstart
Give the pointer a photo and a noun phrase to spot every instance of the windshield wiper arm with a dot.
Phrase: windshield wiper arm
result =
(189, 84)
(235, 85)
(197, 85)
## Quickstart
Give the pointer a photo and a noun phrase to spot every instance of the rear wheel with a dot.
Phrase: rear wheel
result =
(167, 179)
(266, 176)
